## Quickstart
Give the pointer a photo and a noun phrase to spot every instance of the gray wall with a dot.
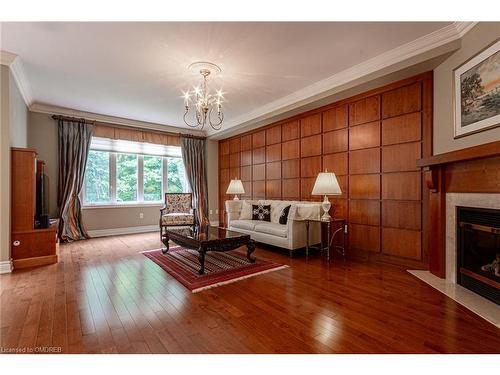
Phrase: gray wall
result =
(13, 133)
(213, 179)
(18, 116)
(473, 42)
(4, 165)
(42, 135)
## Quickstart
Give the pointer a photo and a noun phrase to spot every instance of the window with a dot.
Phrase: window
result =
(122, 172)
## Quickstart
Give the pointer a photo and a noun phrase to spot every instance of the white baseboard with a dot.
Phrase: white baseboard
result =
(119, 231)
(6, 266)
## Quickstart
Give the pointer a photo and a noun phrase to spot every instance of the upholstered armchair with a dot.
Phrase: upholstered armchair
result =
(178, 211)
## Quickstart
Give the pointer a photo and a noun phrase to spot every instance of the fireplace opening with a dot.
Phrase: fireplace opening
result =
(478, 250)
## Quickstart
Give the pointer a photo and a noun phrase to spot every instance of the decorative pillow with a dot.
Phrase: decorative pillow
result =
(246, 211)
(261, 212)
(284, 215)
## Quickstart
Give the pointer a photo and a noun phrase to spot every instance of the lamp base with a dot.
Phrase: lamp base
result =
(325, 205)
(236, 197)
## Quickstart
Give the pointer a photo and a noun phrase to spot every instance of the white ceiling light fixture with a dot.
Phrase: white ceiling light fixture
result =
(205, 103)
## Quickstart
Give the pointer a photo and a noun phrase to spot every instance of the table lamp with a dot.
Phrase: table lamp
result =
(235, 187)
(326, 184)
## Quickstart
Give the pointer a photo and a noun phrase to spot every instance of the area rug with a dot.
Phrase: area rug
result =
(220, 268)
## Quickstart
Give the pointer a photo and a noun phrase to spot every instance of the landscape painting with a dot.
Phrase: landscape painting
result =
(477, 92)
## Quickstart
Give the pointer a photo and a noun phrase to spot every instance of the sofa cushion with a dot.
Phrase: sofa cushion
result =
(272, 228)
(261, 212)
(284, 215)
(246, 211)
(244, 224)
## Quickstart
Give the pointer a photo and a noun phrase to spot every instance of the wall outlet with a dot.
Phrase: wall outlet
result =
(216, 211)
(345, 229)
(211, 212)
(141, 215)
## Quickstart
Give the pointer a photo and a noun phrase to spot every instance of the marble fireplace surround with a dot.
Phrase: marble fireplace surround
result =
(474, 302)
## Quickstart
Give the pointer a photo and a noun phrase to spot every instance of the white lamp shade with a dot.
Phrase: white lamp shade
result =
(326, 184)
(235, 187)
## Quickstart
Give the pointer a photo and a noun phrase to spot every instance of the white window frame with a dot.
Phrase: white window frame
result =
(113, 203)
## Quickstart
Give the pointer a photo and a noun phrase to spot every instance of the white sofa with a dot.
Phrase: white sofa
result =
(291, 236)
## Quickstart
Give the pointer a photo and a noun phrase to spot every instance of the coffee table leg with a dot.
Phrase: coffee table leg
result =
(250, 250)
(201, 258)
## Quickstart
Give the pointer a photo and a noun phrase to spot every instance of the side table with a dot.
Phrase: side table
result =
(331, 238)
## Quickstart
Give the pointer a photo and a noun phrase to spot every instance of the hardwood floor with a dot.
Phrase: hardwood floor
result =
(105, 297)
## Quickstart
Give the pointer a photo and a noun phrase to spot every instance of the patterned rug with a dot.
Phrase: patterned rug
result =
(220, 268)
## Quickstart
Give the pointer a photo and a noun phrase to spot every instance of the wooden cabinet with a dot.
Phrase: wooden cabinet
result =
(29, 246)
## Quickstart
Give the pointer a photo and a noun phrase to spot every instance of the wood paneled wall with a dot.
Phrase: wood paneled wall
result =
(371, 142)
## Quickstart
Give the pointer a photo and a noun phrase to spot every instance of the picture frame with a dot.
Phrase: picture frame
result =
(476, 86)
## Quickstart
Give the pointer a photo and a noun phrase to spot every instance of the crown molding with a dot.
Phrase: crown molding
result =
(62, 111)
(16, 67)
(323, 88)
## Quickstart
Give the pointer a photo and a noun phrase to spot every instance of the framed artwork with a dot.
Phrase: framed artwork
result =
(477, 92)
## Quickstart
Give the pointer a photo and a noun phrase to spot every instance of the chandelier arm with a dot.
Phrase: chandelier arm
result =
(220, 116)
(185, 121)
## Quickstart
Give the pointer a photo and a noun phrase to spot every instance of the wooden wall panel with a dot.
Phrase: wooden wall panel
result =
(246, 158)
(290, 149)
(364, 110)
(364, 237)
(273, 153)
(224, 161)
(234, 173)
(273, 189)
(235, 145)
(402, 157)
(371, 142)
(310, 125)
(259, 189)
(247, 186)
(402, 186)
(259, 172)
(364, 161)
(402, 214)
(246, 173)
(402, 100)
(402, 243)
(273, 135)
(273, 171)
(290, 130)
(310, 146)
(364, 212)
(259, 155)
(335, 118)
(310, 167)
(406, 128)
(364, 136)
(246, 142)
(259, 139)
(224, 147)
(335, 141)
(234, 160)
(291, 168)
(291, 188)
(365, 186)
(336, 163)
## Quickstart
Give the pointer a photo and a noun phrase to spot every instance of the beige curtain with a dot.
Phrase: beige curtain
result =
(194, 156)
(73, 149)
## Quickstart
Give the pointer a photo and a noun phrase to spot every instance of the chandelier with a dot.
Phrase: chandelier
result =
(206, 105)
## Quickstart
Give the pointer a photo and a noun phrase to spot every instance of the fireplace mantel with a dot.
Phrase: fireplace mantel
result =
(471, 170)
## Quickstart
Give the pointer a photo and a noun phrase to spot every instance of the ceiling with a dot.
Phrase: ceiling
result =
(138, 70)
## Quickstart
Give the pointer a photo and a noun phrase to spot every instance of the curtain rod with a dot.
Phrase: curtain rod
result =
(67, 118)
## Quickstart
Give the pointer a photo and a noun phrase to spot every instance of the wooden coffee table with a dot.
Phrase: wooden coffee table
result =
(207, 238)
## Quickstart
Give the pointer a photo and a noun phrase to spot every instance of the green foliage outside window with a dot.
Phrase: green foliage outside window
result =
(175, 175)
(152, 178)
(97, 177)
(126, 178)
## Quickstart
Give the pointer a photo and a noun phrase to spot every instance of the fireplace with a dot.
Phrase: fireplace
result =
(478, 251)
